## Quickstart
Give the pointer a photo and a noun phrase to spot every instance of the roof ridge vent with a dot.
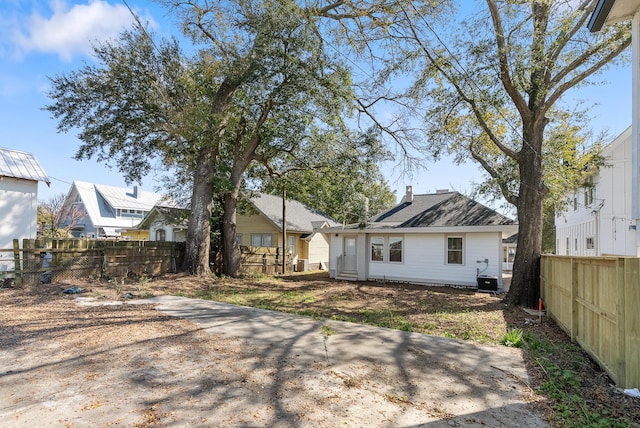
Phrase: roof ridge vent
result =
(439, 191)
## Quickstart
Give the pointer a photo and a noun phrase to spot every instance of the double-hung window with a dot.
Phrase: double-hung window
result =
(455, 248)
(377, 249)
(386, 249)
(260, 239)
(395, 249)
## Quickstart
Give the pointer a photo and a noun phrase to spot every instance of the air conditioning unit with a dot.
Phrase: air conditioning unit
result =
(487, 283)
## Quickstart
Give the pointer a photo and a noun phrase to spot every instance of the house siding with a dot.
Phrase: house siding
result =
(424, 260)
(318, 251)
(608, 218)
(249, 224)
(18, 211)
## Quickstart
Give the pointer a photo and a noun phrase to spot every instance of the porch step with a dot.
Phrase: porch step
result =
(347, 276)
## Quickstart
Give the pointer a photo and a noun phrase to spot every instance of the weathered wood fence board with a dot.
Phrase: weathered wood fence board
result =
(266, 260)
(65, 259)
(596, 300)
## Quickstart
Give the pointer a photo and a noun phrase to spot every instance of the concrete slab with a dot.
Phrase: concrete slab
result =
(443, 382)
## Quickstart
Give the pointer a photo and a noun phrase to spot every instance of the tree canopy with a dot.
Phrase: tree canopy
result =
(490, 88)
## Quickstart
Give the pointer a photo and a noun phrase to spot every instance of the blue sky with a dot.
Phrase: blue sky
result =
(44, 38)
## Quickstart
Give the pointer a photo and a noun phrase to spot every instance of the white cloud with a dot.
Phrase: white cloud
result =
(70, 30)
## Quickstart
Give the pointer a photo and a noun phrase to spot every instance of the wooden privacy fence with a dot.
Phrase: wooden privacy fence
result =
(57, 260)
(266, 260)
(596, 300)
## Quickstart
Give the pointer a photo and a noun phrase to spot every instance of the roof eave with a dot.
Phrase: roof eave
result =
(599, 15)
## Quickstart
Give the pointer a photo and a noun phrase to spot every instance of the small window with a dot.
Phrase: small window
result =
(260, 240)
(591, 243)
(161, 235)
(395, 249)
(454, 250)
(239, 238)
(567, 248)
(377, 249)
(575, 203)
(575, 244)
(291, 244)
(588, 192)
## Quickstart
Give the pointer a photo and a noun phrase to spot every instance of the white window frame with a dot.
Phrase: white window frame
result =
(401, 238)
(291, 244)
(163, 234)
(461, 250)
(382, 249)
(590, 243)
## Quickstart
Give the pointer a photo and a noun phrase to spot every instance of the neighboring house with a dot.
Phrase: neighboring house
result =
(99, 211)
(165, 223)
(306, 241)
(598, 219)
(607, 12)
(441, 238)
(19, 176)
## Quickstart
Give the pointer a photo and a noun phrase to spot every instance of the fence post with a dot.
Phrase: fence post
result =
(631, 302)
(574, 295)
(16, 262)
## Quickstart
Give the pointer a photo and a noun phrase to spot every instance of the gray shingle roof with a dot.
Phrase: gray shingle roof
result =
(299, 217)
(441, 209)
(22, 165)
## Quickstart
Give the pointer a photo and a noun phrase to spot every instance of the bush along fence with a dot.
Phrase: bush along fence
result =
(59, 260)
(596, 300)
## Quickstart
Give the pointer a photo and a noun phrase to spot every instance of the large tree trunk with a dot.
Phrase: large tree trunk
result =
(196, 259)
(230, 249)
(525, 284)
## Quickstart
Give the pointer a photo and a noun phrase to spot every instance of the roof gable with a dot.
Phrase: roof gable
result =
(15, 164)
(447, 209)
(300, 218)
(101, 201)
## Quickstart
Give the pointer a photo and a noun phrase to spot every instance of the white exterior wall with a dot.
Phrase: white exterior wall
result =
(18, 215)
(171, 234)
(335, 250)
(425, 260)
(608, 219)
(319, 249)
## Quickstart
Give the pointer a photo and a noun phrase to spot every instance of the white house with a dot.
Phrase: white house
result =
(100, 211)
(599, 220)
(440, 238)
(166, 223)
(19, 176)
(609, 12)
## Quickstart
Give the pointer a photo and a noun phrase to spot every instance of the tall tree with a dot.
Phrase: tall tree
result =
(50, 216)
(258, 81)
(143, 102)
(336, 174)
(498, 77)
(289, 87)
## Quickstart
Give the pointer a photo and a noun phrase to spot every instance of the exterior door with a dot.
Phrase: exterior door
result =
(350, 254)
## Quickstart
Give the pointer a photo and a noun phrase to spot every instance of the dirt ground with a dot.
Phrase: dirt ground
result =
(131, 365)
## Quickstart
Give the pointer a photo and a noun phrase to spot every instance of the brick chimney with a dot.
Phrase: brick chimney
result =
(408, 197)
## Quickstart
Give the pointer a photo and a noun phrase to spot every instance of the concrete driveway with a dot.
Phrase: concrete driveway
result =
(369, 376)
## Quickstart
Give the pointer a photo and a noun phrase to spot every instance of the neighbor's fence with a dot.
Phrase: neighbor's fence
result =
(56, 260)
(596, 300)
(266, 260)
